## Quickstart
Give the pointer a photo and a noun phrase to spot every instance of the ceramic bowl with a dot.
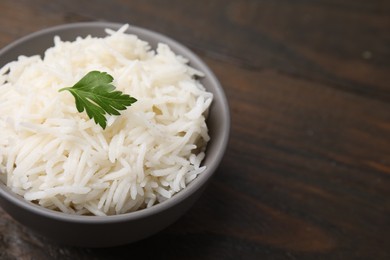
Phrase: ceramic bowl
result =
(96, 231)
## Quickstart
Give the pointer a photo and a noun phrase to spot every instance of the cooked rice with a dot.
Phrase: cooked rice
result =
(59, 158)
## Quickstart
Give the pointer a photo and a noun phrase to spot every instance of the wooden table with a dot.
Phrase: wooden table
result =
(307, 171)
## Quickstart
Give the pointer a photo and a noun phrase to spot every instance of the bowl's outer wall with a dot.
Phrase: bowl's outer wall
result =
(99, 234)
(117, 231)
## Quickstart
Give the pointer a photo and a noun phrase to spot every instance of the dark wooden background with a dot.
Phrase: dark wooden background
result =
(307, 171)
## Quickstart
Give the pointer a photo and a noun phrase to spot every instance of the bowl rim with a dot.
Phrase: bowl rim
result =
(191, 188)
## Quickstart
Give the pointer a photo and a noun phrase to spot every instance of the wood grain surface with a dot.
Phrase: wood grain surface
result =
(307, 171)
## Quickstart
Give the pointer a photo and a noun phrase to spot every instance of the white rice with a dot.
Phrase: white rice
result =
(59, 158)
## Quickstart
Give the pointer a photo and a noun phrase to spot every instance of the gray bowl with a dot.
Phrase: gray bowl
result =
(96, 231)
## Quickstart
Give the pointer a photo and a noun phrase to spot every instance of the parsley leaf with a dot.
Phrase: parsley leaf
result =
(95, 93)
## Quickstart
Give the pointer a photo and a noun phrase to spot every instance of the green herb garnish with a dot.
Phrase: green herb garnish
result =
(95, 93)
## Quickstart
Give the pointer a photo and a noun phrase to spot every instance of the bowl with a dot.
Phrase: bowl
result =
(107, 231)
